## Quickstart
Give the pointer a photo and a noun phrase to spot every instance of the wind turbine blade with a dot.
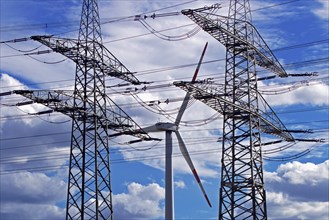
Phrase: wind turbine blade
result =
(182, 109)
(199, 64)
(187, 157)
(187, 96)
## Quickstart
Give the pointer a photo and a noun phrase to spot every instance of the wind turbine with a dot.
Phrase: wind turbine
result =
(169, 128)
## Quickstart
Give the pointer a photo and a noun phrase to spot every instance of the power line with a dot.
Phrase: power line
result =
(169, 68)
(40, 156)
(68, 132)
(34, 136)
(62, 152)
(141, 159)
(74, 23)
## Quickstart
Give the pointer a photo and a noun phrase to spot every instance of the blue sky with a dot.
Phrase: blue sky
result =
(298, 34)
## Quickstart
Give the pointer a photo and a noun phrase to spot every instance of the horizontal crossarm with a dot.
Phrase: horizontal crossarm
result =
(62, 101)
(76, 51)
(218, 27)
(214, 97)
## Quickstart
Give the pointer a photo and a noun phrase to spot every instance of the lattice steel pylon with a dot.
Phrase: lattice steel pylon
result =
(89, 186)
(242, 193)
(93, 113)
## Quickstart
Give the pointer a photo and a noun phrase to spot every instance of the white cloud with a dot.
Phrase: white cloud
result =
(31, 196)
(22, 129)
(301, 181)
(8, 83)
(282, 207)
(180, 184)
(31, 211)
(32, 187)
(304, 173)
(140, 202)
(23, 194)
(298, 191)
(323, 11)
(314, 95)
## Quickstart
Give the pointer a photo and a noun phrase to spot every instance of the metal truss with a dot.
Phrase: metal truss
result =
(226, 31)
(80, 53)
(214, 97)
(89, 185)
(246, 114)
(62, 101)
(93, 113)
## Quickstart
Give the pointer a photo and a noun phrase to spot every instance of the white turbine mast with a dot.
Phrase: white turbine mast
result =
(169, 127)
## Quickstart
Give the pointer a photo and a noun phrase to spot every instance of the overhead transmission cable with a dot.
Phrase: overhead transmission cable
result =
(133, 18)
(75, 23)
(129, 148)
(44, 156)
(150, 105)
(150, 157)
(110, 20)
(68, 132)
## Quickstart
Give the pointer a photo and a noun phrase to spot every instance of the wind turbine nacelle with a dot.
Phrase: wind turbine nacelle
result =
(166, 126)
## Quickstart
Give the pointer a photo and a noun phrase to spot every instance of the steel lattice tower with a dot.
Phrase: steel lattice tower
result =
(242, 193)
(93, 114)
(89, 186)
(245, 112)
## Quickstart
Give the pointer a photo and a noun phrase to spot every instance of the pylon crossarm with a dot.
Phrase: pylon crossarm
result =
(62, 101)
(127, 126)
(267, 113)
(268, 121)
(217, 26)
(59, 100)
(213, 9)
(76, 51)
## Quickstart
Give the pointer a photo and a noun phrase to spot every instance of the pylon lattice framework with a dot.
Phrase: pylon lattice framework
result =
(93, 113)
(89, 187)
(242, 193)
(242, 173)
(246, 113)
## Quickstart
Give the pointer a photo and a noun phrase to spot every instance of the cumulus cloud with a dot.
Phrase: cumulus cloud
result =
(304, 173)
(7, 83)
(31, 211)
(140, 202)
(323, 10)
(298, 190)
(316, 95)
(180, 184)
(34, 189)
(31, 196)
(282, 207)
(26, 195)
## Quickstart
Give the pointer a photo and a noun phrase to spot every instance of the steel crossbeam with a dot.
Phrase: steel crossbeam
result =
(62, 101)
(217, 26)
(80, 54)
(214, 97)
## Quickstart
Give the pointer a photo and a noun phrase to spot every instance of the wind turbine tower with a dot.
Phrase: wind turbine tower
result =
(169, 128)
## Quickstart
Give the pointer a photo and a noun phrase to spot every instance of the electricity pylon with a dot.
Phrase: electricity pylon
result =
(245, 112)
(93, 113)
(89, 186)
